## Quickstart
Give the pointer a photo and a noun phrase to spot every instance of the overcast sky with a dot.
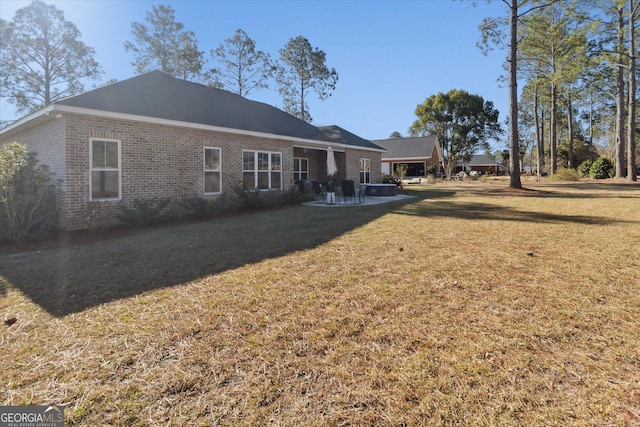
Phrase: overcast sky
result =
(390, 55)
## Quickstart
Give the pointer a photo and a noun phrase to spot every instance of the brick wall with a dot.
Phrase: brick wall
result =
(46, 139)
(353, 164)
(156, 161)
(348, 163)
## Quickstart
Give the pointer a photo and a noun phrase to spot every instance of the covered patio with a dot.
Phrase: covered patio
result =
(311, 164)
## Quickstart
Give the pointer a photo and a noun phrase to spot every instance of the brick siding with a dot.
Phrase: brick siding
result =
(46, 139)
(156, 161)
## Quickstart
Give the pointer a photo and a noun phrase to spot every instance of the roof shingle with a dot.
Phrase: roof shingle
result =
(159, 95)
(408, 148)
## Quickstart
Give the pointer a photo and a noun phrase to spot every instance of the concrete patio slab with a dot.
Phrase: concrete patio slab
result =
(368, 201)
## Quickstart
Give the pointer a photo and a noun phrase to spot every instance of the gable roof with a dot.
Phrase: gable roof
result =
(158, 96)
(408, 148)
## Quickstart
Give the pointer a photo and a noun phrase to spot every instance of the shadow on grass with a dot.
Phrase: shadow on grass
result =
(486, 211)
(69, 278)
(578, 190)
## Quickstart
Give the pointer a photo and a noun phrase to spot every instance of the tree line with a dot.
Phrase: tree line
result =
(577, 62)
(43, 60)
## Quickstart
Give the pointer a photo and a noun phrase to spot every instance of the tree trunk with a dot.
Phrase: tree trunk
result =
(514, 163)
(449, 167)
(541, 149)
(539, 133)
(302, 106)
(631, 127)
(570, 164)
(620, 109)
(591, 157)
(553, 129)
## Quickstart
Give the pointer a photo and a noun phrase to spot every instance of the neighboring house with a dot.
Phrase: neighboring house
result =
(419, 154)
(481, 163)
(157, 136)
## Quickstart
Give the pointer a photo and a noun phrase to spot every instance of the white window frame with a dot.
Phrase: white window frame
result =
(92, 169)
(366, 171)
(269, 170)
(207, 170)
(297, 175)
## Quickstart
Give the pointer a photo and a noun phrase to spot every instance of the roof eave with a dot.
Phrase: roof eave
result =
(168, 122)
(405, 159)
(46, 111)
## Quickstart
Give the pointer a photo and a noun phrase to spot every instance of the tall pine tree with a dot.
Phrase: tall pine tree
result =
(163, 44)
(42, 58)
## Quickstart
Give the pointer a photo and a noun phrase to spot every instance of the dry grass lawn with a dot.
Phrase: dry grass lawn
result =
(467, 305)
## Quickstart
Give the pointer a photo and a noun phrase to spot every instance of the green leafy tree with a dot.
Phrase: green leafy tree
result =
(464, 124)
(28, 194)
(42, 59)
(602, 168)
(302, 70)
(243, 68)
(162, 43)
(554, 44)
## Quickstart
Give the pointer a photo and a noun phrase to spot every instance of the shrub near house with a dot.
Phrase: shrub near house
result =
(27, 194)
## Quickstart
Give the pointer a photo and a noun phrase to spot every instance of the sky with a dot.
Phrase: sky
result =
(390, 55)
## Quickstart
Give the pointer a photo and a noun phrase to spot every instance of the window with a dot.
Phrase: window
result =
(261, 170)
(300, 169)
(365, 171)
(105, 169)
(413, 169)
(212, 171)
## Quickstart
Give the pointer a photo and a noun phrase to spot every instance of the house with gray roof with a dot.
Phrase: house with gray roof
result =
(481, 163)
(419, 154)
(157, 136)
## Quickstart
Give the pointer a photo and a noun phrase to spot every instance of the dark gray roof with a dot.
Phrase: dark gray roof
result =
(480, 160)
(159, 95)
(341, 136)
(407, 148)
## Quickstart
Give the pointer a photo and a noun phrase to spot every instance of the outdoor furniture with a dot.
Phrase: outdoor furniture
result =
(381, 190)
(348, 191)
(331, 198)
(316, 189)
(361, 192)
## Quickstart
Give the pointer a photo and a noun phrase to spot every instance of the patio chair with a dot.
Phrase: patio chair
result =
(316, 190)
(362, 191)
(348, 190)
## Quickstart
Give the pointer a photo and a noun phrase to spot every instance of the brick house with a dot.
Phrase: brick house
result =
(481, 163)
(418, 154)
(157, 136)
